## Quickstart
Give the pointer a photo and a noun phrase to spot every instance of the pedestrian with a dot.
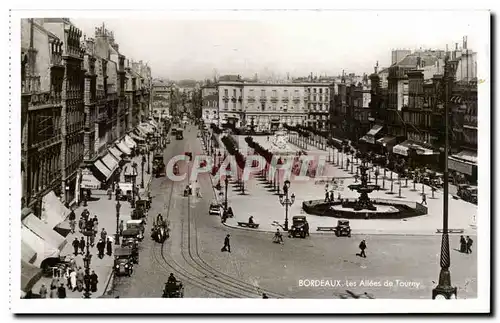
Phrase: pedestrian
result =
(339, 197)
(109, 247)
(72, 279)
(469, 244)
(95, 224)
(424, 199)
(43, 291)
(53, 291)
(110, 193)
(463, 245)
(332, 197)
(61, 291)
(81, 224)
(104, 234)
(94, 280)
(72, 221)
(76, 245)
(79, 279)
(227, 245)
(362, 247)
(121, 227)
(92, 240)
(100, 249)
(327, 196)
(82, 244)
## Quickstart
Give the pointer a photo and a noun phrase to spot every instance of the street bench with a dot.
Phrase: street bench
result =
(326, 229)
(248, 225)
(451, 231)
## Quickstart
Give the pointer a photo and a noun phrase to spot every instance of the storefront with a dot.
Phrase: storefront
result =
(89, 181)
(465, 162)
(370, 137)
(417, 154)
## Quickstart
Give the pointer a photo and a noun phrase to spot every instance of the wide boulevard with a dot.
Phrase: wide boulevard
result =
(321, 266)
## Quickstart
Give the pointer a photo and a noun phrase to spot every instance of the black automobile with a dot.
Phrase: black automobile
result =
(123, 265)
(343, 229)
(173, 290)
(300, 227)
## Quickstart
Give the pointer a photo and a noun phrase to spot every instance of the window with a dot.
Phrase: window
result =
(285, 94)
(263, 107)
(326, 91)
(234, 92)
(226, 92)
(225, 106)
(274, 94)
(314, 90)
(320, 91)
(262, 92)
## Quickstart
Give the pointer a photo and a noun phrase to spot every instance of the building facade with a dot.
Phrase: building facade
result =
(318, 105)
(73, 106)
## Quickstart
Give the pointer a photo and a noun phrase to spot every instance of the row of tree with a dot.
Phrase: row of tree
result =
(268, 156)
(233, 150)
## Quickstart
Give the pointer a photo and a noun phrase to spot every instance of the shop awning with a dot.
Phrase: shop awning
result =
(421, 148)
(387, 140)
(110, 162)
(43, 248)
(106, 172)
(143, 129)
(136, 137)
(368, 139)
(374, 130)
(123, 147)
(53, 211)
(154, 123)
(89, 181)
(29, 276)
(461, 165)
(28, 254)
(467, 156)
(130, 142)
(115, 152)
(129, 170)
(45, 232)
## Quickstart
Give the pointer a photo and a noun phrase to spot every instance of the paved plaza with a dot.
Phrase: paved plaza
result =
(264, 205)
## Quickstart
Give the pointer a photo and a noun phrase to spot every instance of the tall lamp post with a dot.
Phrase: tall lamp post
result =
(86, 262)
(286, 202)
(226, 182)
(148, 170)
(444, 288)
(117, 237)
(143, 161)
(134, 177)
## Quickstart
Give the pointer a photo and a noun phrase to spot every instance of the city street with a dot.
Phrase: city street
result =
(257, 265)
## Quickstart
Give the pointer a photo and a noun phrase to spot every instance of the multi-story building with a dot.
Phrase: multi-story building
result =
(318, 104)
(42, 81)
(210, 104)
(162, 99)
(72, 111)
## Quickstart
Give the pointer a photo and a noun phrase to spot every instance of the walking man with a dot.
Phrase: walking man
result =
(75, 245)
(109, 247)
(227, 246)
(82, 245)
(104, 234)
(424, 199)
(72, 221)
(100, 249)
(362, 247)
(469, 244)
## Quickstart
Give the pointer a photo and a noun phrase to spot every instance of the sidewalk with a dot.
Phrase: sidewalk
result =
(106, 213)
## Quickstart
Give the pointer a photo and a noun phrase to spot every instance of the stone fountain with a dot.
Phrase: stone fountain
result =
(364, 202)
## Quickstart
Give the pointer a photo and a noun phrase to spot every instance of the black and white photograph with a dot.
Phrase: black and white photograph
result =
(308, 161)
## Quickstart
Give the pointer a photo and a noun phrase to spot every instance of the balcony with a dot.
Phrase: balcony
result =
(31, 84)
(296, 99)
(251, 99)
(285, 99)
(225, 98)
(47, 142)
(263, 99)
(470, 121)
(274, 99)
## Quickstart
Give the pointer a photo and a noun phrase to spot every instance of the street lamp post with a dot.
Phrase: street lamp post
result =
(444, 288)
(148, 170)
(142, 171)
(86, 263)
(117, 237)
(226, 182)
(286, 202)
(278, 180)
(134, 177)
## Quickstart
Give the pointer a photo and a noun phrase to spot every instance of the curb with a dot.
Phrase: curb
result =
(110, 281)
(359, 233)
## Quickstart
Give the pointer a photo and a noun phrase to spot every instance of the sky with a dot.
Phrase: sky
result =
(182, 45)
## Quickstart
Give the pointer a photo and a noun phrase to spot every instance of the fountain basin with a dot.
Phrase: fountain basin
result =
(385, 209)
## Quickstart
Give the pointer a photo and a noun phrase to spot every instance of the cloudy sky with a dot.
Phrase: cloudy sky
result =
(196, 45)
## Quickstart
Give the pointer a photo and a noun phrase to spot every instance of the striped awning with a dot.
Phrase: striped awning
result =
(130, 142)
(136, 137)
(115, 152)
(106, 172)
(373, 131)
(123, 147)
(110, 162)
(89, 181)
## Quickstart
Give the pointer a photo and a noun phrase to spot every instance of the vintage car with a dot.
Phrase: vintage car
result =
(173, 290)
(467, 193)
(123, 262)
(126, 191)
(139, 225)
(133, 245)
(160, 231)
(167, 141)
(179, 135)
(343, 229)
(215, 209)
(300, 227)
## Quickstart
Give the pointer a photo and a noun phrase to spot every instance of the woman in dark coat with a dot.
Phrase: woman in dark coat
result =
(93, 282)
(463, 244)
